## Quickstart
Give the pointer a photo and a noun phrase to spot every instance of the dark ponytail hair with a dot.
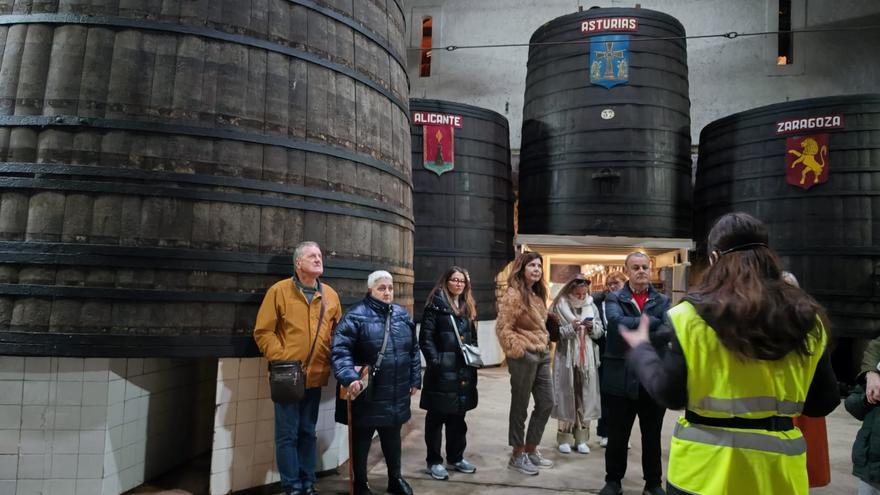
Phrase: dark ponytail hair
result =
(744, 298)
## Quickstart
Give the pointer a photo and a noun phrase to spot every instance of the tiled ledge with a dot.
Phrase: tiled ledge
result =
(244, 428)
(73, 426)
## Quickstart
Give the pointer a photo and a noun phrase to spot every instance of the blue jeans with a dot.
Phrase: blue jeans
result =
(295, 441)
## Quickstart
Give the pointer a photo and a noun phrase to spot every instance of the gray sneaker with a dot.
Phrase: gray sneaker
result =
(438, 472)
(463, 466)
(522, 464)
(539, 461)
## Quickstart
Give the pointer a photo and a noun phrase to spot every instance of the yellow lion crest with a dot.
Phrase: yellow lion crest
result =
(808, 159)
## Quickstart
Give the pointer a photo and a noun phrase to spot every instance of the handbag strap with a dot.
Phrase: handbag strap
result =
(379, 359)
(318, 330)
(455, 327)
(452, 319)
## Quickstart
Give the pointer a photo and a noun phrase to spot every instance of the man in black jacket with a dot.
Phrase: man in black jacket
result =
(621, 392)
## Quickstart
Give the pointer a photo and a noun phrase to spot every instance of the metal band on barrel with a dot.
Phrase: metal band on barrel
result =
(125, 23)
(163, 258)
(43, 121)
(355, 25)
(385, 214)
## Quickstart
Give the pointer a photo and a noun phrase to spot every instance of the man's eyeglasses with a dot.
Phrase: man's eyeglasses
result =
(458, 281)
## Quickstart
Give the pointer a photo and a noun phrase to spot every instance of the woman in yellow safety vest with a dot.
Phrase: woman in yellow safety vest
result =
(747, 354)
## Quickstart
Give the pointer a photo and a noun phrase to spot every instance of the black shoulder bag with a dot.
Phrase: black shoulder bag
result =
(287, 379)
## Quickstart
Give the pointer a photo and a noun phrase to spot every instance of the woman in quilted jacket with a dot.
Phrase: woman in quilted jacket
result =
(385, 404)
(450, 386)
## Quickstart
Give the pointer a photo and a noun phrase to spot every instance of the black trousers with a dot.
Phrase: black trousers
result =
(456, 437)
(602, 424)
(622, 414)
(362, 437)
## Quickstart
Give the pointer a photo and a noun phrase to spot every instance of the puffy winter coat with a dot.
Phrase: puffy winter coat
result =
(450, 386)
(521, 326)
(357, 341)
(866, 448)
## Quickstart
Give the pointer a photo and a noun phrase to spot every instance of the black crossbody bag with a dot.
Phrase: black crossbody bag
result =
(287, 379)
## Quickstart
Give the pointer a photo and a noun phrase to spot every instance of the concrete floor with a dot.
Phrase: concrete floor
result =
(573, 473)
(488, 450)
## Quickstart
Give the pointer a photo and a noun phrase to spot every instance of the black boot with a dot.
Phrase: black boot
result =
(611, 488)
(399, 486)
(362, 489)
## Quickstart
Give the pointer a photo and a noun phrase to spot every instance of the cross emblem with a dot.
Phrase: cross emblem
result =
(609, 55)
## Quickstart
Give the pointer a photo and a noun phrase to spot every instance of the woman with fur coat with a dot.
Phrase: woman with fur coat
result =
(522, 333)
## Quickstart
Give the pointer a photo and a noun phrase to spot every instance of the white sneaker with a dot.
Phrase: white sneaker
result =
(583, 448)
(565, 448)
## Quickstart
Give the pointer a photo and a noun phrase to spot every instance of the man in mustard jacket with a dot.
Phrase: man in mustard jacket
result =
(288, 328)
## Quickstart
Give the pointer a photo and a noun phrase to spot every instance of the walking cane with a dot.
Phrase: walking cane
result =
(350, 448)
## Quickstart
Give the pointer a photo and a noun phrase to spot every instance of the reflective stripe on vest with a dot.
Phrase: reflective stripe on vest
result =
(743, 405)
(723, 460)
(740, 439)
(721, 384)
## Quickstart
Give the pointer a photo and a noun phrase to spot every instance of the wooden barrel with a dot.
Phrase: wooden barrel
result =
(463, 217)
(607, 161)
(159, 161)
(826, 232)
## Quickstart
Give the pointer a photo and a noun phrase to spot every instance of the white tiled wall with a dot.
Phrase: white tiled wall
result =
(72, 426)
(244, 428)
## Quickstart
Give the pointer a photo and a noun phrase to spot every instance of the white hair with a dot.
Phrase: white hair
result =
(376, 276)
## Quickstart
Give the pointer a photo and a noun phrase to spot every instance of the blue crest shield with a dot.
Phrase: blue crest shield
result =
(609, 60)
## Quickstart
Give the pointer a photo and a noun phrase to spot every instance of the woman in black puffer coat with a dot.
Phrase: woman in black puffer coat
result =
(450, 386)
(385, 405)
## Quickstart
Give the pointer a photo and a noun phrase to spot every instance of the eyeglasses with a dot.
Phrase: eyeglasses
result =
(581, 281)
(457, 281)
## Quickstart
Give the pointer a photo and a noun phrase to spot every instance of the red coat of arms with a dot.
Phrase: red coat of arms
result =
(438, 140)
(806, 160)
(438, 149)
